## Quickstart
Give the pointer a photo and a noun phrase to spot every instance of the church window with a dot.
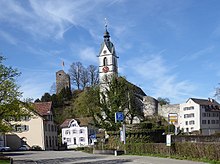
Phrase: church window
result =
(105, 62)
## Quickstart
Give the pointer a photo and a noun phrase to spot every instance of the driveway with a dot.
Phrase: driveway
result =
(77, 157)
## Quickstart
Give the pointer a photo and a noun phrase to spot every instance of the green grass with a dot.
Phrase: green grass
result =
(4, 161)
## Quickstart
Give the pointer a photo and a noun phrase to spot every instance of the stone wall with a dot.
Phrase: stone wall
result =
(150, 106)
(164, 110)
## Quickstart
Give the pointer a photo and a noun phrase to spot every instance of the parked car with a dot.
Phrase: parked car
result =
(5, 148)
(36, 148)
(24, 147)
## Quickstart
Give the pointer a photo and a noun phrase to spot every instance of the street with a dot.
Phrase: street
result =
(77, 157)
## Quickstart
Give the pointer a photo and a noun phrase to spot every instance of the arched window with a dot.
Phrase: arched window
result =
(105, 62)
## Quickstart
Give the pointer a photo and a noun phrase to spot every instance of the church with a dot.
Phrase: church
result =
(108, 67)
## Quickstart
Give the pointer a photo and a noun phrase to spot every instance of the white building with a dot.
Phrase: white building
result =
(201, 115)
(78, 132)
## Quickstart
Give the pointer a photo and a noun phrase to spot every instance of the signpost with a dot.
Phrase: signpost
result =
(173, 119)
(119, 117)
(168, 140)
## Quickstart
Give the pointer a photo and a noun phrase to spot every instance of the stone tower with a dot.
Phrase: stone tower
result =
(62, 81)
(108, 65)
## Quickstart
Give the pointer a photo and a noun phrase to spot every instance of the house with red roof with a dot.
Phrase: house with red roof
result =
(78, 132)
(38, 130)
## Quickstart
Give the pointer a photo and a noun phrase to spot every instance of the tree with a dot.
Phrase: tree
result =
(75, 73)
(10, 106)
(46, 97)
(93, 75)
(163, 101)
(119, 97)
(83, 77)
(87, 103)
(217, 92)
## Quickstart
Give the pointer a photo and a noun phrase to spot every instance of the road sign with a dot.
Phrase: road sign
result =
(92, 136)
(173, 118)
(119, 117)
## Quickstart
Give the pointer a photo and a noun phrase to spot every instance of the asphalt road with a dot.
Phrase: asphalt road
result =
(76, 157)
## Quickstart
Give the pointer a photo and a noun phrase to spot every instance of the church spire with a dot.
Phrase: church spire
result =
(106, 34)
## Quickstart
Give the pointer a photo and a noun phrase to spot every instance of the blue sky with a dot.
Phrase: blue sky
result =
(169, 48)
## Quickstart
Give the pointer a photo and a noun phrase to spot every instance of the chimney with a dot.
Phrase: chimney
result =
(210, 99)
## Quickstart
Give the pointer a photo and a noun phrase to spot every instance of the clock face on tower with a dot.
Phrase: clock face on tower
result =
(105, 69)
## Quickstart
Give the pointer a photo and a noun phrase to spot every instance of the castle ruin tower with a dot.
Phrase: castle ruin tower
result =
(62, 81)
(108, 65)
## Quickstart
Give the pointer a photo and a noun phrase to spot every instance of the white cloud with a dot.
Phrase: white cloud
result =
(35, 84)
(8, 37)
(156, 77)
(88, 54)
(198, 54)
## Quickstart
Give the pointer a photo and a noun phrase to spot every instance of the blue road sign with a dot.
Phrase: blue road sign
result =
(119, 117)
(92, 136)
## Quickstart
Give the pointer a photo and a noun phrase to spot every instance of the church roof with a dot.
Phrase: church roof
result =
(108, 43)
(138, 90)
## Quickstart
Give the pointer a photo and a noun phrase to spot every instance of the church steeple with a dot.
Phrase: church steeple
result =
(106, 34)
(108, 65)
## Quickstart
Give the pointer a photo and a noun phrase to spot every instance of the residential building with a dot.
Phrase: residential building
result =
(37, 130)
(78, 132)
(201, 115)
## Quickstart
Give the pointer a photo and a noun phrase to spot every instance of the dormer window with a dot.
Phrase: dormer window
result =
(73, 124)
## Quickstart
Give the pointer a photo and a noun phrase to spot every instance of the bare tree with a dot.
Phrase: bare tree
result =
(93, 75)
(53, 88)
(84, 79)
(75, 73)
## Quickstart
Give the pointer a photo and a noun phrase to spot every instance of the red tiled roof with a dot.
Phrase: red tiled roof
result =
(43, 108)
(66, 123)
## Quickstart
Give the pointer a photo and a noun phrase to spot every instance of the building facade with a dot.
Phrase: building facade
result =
(200, 115)
(78, 132)
(37, 130)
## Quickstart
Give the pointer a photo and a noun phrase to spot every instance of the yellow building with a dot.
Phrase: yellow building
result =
(37, 130)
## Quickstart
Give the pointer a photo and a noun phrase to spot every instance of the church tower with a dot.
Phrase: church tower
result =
(108, 65)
